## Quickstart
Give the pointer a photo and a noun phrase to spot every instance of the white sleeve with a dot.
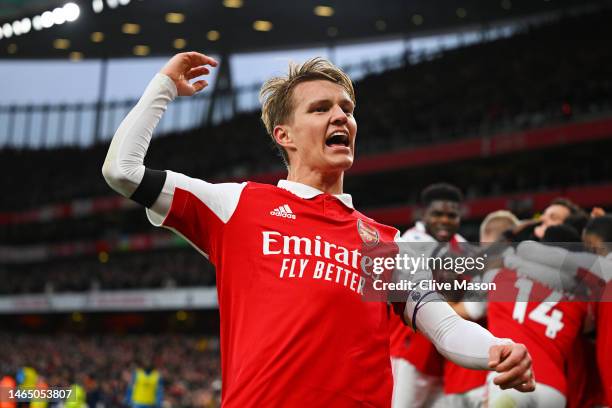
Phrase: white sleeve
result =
(547, 275)
(475, 310)
(564, 261)
(463, 342)
(124, 167)
(598, 265)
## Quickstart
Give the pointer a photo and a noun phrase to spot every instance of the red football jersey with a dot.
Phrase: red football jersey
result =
(295, 331)
(548, 328)
(604, 342)
(399, 337)
(424, 356)
(583, 377)
(459, 380)
(419, 351)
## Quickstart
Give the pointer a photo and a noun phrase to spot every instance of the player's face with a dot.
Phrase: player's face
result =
(553, 215)
(322, 129)
(442, 220)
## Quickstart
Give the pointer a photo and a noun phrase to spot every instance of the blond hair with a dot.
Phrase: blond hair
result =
(498, 215)
(276, 94)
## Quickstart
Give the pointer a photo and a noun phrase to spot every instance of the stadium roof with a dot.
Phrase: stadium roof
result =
(124, 28)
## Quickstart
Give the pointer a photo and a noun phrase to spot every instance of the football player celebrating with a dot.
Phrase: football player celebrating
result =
(295, 330)
(549, 321)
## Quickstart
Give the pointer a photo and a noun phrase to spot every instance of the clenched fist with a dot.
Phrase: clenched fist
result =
(514, 363)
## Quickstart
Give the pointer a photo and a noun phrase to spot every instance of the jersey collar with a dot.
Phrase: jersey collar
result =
(307, 192)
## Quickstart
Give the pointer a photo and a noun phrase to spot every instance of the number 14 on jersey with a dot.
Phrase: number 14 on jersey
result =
(553, 321)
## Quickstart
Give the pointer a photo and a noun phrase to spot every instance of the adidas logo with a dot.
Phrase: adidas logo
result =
(283, 211)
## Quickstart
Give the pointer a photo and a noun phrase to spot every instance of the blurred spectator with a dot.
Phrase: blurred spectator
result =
(134, 270)
(189, 364)
(146, 387)
(7, 383)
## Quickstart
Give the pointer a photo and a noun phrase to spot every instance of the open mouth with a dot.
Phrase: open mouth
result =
(337, 139)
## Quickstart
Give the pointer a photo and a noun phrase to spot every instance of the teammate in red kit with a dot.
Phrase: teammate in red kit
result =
(596, 268)
(597, 237)
(295, 330)
(549, 328)
(464, 387)
(547, 321)
(418, 368)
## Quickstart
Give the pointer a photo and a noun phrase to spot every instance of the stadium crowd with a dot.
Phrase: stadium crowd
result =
(480, 90)
(136, 270)
(104, 365)
(547, 74)
(482, 177)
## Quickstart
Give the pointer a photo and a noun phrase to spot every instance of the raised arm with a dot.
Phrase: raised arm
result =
(124, 169)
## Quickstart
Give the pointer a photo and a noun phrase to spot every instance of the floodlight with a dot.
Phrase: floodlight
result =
(97, 6)
(26, 25)
(71, 11)
(47, 19)
(7, 30)
(17, 27)
(37, 23)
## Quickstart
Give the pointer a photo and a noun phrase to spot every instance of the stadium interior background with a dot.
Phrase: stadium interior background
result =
(515, 110)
